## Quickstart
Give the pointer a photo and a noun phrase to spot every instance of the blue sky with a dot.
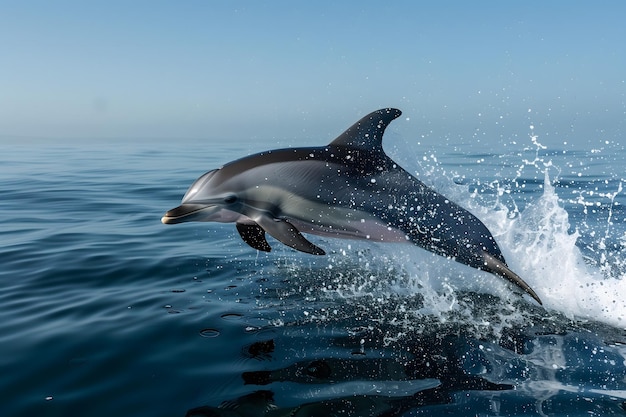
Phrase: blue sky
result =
(232, 70)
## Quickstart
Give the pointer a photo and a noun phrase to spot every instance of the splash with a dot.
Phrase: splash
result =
(546, 251)
(538, 241)
(406, 290)
(543, 246)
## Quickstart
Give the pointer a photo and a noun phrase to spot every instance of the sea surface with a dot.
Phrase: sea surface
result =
(107, 312)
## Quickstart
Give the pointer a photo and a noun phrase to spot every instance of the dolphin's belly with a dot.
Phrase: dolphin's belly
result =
(364, 227)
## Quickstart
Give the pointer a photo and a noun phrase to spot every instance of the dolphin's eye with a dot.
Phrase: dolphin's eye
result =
(230, 199)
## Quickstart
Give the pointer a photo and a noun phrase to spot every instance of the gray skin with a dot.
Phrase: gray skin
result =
(348, 189)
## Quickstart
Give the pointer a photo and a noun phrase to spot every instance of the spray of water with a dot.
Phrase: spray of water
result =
(407, 290)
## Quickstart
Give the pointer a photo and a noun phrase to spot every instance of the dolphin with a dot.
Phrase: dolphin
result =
(348, 189)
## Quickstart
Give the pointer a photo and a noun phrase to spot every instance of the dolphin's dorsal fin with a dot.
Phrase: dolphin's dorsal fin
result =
(367, 133)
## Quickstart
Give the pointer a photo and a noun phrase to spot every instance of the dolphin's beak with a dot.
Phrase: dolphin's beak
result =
(183, 213)
(496, 267)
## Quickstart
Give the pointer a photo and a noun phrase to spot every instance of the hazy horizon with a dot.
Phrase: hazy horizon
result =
(234, 70)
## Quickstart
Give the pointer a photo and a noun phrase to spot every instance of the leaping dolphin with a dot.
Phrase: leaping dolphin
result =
(347, 189)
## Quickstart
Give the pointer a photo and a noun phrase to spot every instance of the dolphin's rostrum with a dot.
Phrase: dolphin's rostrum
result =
(347, 189)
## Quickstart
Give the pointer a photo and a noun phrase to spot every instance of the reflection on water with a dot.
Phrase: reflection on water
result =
(377, 386)
(539, 369)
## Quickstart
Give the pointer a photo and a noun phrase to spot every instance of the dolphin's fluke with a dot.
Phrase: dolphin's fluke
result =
(497, 267)
(254, 236)
(286, 233)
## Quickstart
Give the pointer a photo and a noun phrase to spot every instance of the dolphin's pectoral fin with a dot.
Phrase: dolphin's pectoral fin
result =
(253, 235)
(497, 267)
(286, 233)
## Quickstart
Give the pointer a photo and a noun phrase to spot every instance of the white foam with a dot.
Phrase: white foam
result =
(544, 252)
(538, 243)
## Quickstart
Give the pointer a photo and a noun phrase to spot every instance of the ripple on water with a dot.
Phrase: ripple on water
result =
(209, 333)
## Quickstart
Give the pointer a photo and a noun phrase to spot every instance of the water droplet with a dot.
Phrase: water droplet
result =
(231, 316)
(209, 332)
(252, 329)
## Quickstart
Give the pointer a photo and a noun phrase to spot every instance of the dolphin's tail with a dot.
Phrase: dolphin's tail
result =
(497, 267)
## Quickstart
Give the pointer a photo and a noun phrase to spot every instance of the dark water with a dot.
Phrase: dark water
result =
(105, 311)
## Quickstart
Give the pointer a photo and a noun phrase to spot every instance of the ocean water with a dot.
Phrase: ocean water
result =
(106, 311)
